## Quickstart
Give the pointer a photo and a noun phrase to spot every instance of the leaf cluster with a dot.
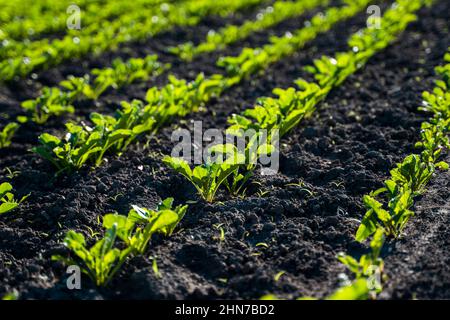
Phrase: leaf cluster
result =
(7, 201)
(105, 258)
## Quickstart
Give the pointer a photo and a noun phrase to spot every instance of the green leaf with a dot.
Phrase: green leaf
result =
(164, 219)
(178, 164)
(166, 204)
(376, 206)
(123, 225)
(358, 290)
(377, 242)
(367, 227)
(8, 206)
(349, 262)
(4, 188)
(49, 140)
(442, 165)
(7, 134)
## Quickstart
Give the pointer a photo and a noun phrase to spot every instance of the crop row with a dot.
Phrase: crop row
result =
(389, 215)
(37, 23)
(55, 101)
(409, 177)
(20, 9)
(254, 60)
(84, 144)
(390, 207)
(138, 14)
(279, 11)
(107, 35)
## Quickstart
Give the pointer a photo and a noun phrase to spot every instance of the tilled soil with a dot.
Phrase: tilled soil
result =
(305, 214)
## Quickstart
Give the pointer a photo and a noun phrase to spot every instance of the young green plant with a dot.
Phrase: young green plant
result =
(100, 262)
(136, 229)
(370, 266)
(83, 144)
(105, 258)
(7, 201)
(208, 177)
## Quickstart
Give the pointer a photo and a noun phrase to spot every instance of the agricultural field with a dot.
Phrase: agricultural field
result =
(238, 149)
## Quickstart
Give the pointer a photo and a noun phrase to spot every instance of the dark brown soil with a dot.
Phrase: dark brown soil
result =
(344, 151)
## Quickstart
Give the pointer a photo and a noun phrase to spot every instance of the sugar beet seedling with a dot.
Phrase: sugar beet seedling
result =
(103, 260)
(410, 177)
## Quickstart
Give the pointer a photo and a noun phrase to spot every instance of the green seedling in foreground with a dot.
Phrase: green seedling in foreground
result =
(257, 145)
(7, 201)
(101, 261)
(368, 272)
(370, 266)
(137, 228)
(357, 290)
